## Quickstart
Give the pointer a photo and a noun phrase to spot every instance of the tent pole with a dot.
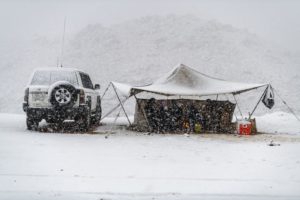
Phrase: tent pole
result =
(258, 102)
(105, 90)
(290, 109)
(122, 105)
(237, 105)
(117, 116)
(115, 120)
(143, 111)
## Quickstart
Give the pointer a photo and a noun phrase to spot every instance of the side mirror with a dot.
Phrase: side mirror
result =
(97, 86)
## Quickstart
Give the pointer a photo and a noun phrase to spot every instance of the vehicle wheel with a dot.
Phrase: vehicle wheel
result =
(85, 122)
(59, 124)
(96, 119)
(32, 124)
(63, 95)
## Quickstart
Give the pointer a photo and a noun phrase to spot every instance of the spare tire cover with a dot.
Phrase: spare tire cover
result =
(62, 94)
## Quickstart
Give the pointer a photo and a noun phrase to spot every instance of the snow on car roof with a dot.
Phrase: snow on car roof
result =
(57, 69)
(66, 69)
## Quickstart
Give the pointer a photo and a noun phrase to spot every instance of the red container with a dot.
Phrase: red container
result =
(244, 128)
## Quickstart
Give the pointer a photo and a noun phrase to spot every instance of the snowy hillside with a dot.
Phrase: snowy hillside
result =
(141, 50)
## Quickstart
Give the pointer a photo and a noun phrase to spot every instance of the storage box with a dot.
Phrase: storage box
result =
(198, 128)
(244, 127)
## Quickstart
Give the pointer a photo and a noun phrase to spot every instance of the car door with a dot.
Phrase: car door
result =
(90, 92)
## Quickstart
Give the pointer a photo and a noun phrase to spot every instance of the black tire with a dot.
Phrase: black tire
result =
(63, 95)
(85, 121)
(59, 124)
(32, 124)
(97, 117)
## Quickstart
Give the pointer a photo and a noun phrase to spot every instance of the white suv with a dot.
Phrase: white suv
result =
(58, 94)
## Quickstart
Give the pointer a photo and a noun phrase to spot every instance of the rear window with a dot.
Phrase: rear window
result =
(50, 77)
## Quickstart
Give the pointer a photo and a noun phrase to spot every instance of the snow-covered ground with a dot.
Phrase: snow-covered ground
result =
(278, 122)
(129, 165)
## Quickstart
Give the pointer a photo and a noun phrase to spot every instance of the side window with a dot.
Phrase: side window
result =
(86, 81)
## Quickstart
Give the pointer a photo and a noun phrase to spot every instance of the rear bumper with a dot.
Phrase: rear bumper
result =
(55, 114)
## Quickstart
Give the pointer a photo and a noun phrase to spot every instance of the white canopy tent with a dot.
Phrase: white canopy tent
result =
(186, 81)
(182, 81)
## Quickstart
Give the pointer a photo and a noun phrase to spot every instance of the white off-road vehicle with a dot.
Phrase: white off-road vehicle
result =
(58, 94)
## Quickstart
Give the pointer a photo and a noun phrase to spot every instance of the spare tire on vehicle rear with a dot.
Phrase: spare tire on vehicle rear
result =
(62, 94)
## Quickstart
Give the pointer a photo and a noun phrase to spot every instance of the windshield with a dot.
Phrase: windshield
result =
(50, 77)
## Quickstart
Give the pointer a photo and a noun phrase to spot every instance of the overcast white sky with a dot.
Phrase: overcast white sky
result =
(276, 20)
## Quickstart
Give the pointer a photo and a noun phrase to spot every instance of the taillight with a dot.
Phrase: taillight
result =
(26, 96)
(81, 97)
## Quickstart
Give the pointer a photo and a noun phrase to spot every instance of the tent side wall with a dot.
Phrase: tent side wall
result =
(140, 119)
(217, 114)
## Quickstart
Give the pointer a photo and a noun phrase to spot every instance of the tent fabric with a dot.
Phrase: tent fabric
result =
(213, 114)
(186, 81)
(123, 89)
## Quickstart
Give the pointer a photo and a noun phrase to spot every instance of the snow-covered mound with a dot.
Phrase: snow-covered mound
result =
(141, 50)
(278, 122)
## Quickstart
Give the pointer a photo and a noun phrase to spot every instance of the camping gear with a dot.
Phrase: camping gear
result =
(198, 128)
(253, 126)
(268, 98)
(244, 127)
(221, 111)
(186, 125)
(188, 84)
